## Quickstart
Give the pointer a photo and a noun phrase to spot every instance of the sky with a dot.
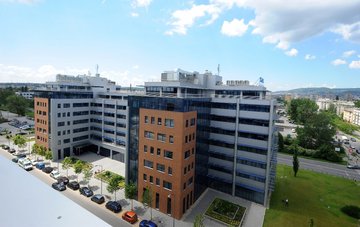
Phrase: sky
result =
(291, 44)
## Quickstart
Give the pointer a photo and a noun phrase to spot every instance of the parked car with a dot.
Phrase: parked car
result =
(47, 169)
(20, 156)
(99, 199)
(59, 186)
(55, 174)
(12, 151)
(40, 165)
(34, 161)
(15, 160)
(74, 185)
(6, 147)
(358, 151)
(147, 223)
(130, 216)
(86, 191)
(113, 206)
(352, 147)
(353, 166)
(63, 180)
(353, 139)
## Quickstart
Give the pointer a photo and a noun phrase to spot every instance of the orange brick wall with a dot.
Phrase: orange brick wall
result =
(178, 163)
(41, 117)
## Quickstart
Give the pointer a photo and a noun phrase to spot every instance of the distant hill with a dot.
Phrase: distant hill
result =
(322, 91)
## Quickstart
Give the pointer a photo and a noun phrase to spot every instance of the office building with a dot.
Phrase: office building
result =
(179, 136)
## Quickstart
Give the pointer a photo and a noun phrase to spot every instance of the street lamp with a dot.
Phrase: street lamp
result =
(101, 169)
(173, 210)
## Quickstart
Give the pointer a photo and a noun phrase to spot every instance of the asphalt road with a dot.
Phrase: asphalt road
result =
(98, 210)
(321, 167)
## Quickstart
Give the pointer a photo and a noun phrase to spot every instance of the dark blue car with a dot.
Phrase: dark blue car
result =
(40, 165)
(147, 223)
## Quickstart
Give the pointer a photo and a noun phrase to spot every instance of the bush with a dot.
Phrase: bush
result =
(225, 211)
(352, 211)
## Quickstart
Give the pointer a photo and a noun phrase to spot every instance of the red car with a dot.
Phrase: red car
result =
(130, 216)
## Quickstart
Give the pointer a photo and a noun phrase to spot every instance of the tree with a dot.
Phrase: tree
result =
(300, 110)
(16, 104)
(66, 163)
(48, 156)
(317, 131)
(199, 221)
(87, 173)
(281, 142)
(78, 167)
(8, 137)
(295, 163)
(130, 192)
(114, 184)
(357, 103)
(19, 140)
(147, 199)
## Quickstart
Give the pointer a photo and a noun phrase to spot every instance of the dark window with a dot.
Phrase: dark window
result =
(145, 176)
(168, 154)
(167, 185)
(171, 139)
(66, 105)
(187, 123)
(187, 154)
(151, 179)
(149, 164)
(160, 167)
(168, 210)
(157, 201)
(158, 151)
(159, 121)
(161, 137)
(152, 150)
(157, 181)
(192, 122)
(145, 148)
(152, 120)
(169, 170)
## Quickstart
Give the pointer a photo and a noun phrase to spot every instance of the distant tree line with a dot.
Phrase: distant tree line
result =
(14, 103)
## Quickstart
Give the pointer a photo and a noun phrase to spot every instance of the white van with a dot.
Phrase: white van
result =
(25, 163)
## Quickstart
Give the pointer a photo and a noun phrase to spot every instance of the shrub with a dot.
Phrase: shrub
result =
(352, 211)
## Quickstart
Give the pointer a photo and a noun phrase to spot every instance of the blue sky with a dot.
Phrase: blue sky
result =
(304, 44)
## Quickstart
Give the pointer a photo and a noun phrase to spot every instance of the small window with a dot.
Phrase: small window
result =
(151, 179)
(187, 154)
(186, 139)
(184, 170)
(192, 122)
(187, 123)
(145, 148)
(152, 120)
(146, 119)
(157, 182)
(168, 154)
(169, 170)
(171, 139)
(158, 151)
(160, 167)
(184, 186)
(159, 121)
(192, 150)
(145, 177)
(59, 105)
(167, 185)
(152, 150)
(169, 123)
(161, 137)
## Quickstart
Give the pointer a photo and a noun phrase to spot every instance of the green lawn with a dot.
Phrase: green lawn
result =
(311, 196)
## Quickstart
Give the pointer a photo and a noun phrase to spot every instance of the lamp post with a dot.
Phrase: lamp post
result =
(101, 169)
(173, 208)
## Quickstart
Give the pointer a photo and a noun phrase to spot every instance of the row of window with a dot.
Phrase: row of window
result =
(167, 154)
(42, 139)
(159, 167)
(63, 132)
(110, 106)
(244, 107)
(43, 104)
(240, 134)
(239, 147)
(244, 161)
(189, 138)
(168, 122)
(82, 121)
(40, 112)
(160, 136)
(246, 121)
(188, 168)
(41, 121)
(77, 130)
(63, 114)
(62, 123)
(80, 113)
(83, 104)
(41, 130)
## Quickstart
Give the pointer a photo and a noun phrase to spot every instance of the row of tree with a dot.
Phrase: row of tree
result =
(316, 133)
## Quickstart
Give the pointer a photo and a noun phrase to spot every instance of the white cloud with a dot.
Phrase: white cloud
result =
(234, 28)
(338, 61)
(354, 65)
(349, 53)
(182, 20)
(277, 21)
(141, 3)
(309, 57)
(292, 53)
(133, 14)
(135, 67)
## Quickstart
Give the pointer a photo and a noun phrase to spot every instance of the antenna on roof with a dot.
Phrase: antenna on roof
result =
(97, 70)
(218, 69)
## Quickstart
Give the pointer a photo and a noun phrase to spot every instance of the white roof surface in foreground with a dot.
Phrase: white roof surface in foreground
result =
(27, 201)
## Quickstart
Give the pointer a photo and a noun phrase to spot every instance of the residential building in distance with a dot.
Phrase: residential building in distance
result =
(26, 94)
(179, 136)
(340, 105)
